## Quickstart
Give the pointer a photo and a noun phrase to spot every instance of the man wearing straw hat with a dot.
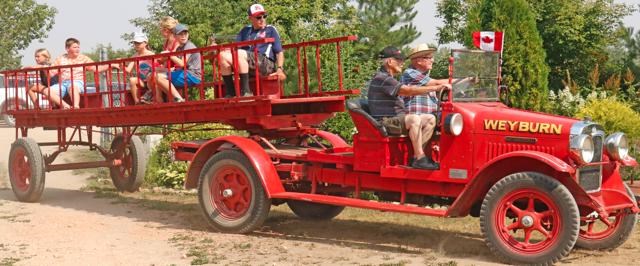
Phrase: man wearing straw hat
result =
(385, 104)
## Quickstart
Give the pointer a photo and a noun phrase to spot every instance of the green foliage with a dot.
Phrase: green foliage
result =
(524, 70)
(111, 53)
(616, 116)
(385, 23)
(567, 103)
(162, 171)
(23, 21)
(575, 33)
(613, 115)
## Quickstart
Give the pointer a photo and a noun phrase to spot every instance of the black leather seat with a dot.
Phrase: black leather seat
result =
(360, 107)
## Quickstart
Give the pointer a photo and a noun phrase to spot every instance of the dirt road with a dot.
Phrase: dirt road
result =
(72, 227)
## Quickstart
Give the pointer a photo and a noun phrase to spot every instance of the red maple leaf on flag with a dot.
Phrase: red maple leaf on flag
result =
(487, 39)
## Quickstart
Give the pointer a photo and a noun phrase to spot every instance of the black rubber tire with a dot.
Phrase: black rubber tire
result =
(557, 192)
(618, 237)
(33, 158)
(259, 203)
(124, 179)
(314, 211)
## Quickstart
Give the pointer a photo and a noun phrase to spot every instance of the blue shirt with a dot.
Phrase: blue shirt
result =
(270, 50)
(383, 95)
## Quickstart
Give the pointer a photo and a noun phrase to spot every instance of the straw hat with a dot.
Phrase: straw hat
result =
(421, 50)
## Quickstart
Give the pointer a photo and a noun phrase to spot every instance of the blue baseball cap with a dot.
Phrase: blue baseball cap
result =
(180, 28)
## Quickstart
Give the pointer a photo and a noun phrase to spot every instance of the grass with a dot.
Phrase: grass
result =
(396, 235)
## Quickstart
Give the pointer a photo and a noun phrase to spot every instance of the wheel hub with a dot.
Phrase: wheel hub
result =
(227, 193)
(527, 221)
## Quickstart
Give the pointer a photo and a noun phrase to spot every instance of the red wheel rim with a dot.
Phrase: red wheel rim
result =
(230, 190)
(21, 169)
(528, 221)
(600, 228)
(125, 168)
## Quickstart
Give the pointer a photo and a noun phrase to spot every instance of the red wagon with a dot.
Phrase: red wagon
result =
(540, 184)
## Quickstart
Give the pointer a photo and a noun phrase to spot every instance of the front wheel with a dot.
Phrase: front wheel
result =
(128, 176)
(231, 194)
(607, 233)
(26, 170)
(529, 218)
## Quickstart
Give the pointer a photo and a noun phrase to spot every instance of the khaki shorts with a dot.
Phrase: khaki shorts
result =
(265, 65)
(395, 125)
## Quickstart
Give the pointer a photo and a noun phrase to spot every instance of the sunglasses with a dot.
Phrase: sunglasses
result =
(137, 43)
(427, 57)
(261, 17)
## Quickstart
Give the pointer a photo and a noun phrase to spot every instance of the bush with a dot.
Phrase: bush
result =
(616, 116)
(162, 171)
(567, 103)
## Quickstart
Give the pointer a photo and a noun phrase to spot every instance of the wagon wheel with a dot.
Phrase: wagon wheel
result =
(128, 176)
(314, 211)
(529, 218)
(607, 233)
(26, 170)
(231, 194)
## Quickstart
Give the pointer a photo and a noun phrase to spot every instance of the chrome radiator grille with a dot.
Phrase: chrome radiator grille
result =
(590, 177)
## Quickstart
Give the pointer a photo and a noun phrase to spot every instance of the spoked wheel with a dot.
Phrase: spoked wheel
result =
(26, 170)
(128, 176)
(231, 193)
(529, 218)
(314, 211)
(606, 233)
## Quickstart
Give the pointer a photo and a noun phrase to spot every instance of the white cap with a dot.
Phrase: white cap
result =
(140, 37)
(256, 10)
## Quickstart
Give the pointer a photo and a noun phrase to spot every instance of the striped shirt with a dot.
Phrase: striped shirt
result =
(383, 95)
(419, 104)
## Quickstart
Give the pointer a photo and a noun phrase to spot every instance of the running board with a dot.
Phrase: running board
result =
(359, 203)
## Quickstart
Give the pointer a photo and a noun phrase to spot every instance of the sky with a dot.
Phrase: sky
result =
(96, 22)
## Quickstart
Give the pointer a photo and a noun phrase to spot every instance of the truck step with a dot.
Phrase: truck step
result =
(359, 203)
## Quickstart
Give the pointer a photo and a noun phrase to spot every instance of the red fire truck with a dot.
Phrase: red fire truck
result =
(540, 184)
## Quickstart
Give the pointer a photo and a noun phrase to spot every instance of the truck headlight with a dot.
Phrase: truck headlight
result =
(582, 148)
(453, 124)
(617, 146)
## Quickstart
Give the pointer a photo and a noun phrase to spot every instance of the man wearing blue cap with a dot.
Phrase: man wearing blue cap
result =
(270, 58)
(385, 104)
(187, 71)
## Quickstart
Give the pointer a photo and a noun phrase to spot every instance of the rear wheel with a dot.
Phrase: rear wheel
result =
(128, 176)
(607, 233)
(314, 211)
(529, 218)
(231, 194)
(26, 170)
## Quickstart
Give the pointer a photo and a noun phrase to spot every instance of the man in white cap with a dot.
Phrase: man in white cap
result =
(270, 55)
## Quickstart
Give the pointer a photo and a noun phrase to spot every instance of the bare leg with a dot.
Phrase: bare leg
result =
(427, 124)
(134, 89)
(226, 62)
(54, 98)
(75, 96)
(168, 88)
(412, 123)
(32, 94)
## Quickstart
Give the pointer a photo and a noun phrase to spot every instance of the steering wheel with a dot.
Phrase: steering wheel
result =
(463, 87)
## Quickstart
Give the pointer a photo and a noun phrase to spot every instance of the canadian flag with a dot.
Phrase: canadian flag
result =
(488, 40)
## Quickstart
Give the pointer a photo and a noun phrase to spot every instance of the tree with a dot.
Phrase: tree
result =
(23, 21)
(575, 33)
(384, 23)
(524, 70)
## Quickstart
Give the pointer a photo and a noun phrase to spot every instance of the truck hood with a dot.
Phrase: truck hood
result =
(498, 119)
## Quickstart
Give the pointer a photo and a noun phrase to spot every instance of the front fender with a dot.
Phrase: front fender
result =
(506, 164)
(257, 156)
